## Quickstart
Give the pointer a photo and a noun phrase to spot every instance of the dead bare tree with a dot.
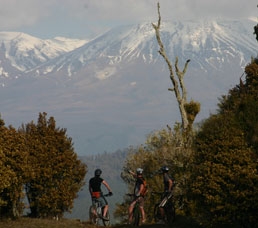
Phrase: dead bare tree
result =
(189, 110)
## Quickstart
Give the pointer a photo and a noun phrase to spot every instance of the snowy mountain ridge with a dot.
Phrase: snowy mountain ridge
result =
(112, 90)
(26, 52)
(216, 40)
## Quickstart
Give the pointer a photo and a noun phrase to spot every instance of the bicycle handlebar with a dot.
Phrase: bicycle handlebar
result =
(130, 194)
(107, 195)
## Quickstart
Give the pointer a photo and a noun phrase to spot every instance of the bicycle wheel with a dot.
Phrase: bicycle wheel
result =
(136, 216)
(92, 215)
(157, 215)
(106, 222)
(170, 212)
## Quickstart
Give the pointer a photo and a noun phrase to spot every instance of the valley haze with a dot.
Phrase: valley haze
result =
(111, 91)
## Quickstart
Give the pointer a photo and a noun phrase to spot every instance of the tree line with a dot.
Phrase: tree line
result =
(38, 163)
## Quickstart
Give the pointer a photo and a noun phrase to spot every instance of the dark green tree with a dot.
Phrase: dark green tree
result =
(243, 101)
(226, 181)
(56, 173)
(224, 175)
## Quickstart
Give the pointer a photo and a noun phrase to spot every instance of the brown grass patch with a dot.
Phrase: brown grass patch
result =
(43, 223)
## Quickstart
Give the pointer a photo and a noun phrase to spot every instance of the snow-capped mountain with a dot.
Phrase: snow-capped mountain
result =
(25, 52)
(204, 42)
(112, 90)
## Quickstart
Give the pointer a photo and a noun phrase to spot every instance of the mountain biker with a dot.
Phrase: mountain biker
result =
(138, 195)
(168, 187)
(96, 193)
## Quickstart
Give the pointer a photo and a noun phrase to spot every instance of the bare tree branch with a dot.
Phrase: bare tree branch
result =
(181, 98)
(187, 110)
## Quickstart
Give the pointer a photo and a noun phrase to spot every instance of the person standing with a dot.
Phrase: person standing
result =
(95, 190)
(139, 192)
(168, 187)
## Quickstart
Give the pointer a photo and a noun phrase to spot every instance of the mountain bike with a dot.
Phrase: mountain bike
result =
(96, 213)
(136, 212)
(168, 207)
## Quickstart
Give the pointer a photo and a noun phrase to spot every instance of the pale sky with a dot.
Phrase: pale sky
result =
(87, 18)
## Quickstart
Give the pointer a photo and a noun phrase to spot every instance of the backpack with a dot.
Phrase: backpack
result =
(145, 189)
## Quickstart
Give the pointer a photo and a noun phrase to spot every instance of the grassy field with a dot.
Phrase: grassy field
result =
(180, 222)
(43, 223)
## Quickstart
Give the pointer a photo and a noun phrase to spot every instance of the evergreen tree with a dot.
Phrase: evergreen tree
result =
(224, 174)
(226, 181)
(243, 101)
(56, 173)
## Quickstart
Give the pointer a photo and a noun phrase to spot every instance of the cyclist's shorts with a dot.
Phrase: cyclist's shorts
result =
(140, 200)
(96, 194)
(102, 200)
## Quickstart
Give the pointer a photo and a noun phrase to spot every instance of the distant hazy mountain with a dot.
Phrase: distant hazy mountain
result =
(111, 91)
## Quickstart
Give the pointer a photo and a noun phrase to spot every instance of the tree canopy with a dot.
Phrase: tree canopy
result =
(225, 184)
(40, 158)
(13, 171)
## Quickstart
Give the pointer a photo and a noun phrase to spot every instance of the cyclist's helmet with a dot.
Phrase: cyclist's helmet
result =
(139, 171)
(98, 172)
(164, 169)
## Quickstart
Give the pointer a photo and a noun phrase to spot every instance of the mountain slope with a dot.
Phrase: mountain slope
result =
(112, 91)
(25, 52)
(208, 43)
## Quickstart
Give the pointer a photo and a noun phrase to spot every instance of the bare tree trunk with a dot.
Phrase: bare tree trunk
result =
(178, 86)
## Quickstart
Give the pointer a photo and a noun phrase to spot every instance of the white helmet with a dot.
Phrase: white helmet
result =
(139, 170)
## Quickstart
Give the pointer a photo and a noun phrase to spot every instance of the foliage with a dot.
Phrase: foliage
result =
(243, 100)
(164, 147)
(56, 174)
(192, 109)
(226, 181)
(12, 171)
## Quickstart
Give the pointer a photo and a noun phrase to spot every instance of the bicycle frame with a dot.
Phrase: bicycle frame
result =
(136, 212)
(96, 213)
(169, 209)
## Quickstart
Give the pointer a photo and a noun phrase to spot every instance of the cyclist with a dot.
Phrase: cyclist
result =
(96, 193)
(168, 186)
(138, 195)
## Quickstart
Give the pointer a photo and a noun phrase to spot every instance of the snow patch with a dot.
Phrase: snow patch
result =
(3, 72)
